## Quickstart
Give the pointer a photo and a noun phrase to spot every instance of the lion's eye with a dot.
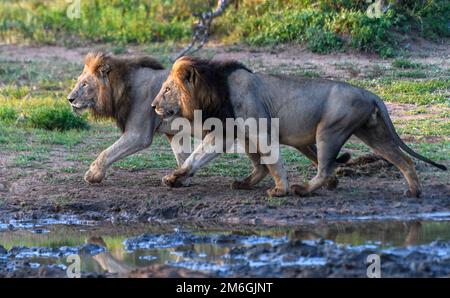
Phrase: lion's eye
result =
(166, 90)
(84, 85)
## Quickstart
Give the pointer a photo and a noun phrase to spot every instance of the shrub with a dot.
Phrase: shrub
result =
(323, 42)
(21, 107)
(14, 92)
(8, 114)
(257, 22)
(53, 118)
(405, 64)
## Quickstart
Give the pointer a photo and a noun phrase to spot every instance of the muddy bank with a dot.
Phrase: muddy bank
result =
(369, 187)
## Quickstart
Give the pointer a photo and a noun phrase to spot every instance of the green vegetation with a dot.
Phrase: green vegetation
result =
(412, 91)
(405, 63)
(32, 94)
(38, 112)
(35, 118)
(323, 25)
(56, 118)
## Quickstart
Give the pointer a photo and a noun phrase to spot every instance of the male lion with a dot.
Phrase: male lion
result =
(122, 89)
(310, 111)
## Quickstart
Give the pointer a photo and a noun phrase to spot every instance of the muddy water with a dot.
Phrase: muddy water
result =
(406, 248)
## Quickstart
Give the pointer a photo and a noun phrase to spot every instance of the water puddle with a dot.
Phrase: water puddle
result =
(406, 248)
(37, 225)
(429, 216)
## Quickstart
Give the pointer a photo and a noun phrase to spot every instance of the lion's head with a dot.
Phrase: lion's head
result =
(85, 93)
(196, 84)
(102, 87)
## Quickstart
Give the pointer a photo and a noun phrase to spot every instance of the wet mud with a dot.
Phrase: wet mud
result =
(132, 226)
(404, 248)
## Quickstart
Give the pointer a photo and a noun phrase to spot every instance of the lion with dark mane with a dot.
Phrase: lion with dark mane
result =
(211, 92)
(310, 111)
(122, 89)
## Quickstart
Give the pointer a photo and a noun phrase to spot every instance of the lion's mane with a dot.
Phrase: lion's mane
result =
(203, 86)
(113, 100)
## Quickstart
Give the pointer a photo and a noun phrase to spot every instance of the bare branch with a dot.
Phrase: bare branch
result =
(201, 29)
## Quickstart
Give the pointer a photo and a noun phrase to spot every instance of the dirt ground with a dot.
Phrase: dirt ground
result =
(372, 189)
(348, 64)
(369, 191)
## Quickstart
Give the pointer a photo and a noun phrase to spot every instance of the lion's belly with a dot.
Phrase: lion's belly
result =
(300, 132)
(300, 138)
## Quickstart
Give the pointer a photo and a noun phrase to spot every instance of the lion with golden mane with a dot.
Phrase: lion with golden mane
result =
(310, 111)
(122, 89)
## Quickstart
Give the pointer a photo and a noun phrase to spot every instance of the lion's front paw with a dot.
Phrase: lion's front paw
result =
(300, 190)
(332, 183)
(239, 184)
(277, 192)
(411, 193)
(93, 176)
(173, 181)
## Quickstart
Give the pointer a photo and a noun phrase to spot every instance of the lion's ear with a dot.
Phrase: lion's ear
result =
(104, 69)
(190, 76)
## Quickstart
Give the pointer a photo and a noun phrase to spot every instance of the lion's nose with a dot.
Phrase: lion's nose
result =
(154, 105)
(71, 98)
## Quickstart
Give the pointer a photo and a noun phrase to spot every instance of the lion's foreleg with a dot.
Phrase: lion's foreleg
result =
(203, 154)
(129, 143)
(177, 151)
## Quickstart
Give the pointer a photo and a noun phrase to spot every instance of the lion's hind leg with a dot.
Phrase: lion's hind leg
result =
(380, 140)
(311, 153)
(329, 143)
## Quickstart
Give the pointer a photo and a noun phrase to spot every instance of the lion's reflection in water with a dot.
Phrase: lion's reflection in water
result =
(408, 233)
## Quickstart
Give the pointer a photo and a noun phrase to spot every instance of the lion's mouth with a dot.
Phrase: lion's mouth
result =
(77, 109)
(159, 111)
(165, 113)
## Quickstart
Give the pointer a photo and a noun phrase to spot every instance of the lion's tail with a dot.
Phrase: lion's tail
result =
(383, 112)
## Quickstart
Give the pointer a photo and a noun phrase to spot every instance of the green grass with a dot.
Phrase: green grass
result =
(150, 159)
(8, 114)
(68, 138)
(32, 97)
(436, 151)
(404, 63)
(19, 106)
(28, 104)
(32, 147)
(420, 92)
(323, 25)
(56, 118)
(29, 75)
(423, 127)
(417, 74)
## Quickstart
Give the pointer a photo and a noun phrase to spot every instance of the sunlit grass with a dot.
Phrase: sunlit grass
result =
(409, 91)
